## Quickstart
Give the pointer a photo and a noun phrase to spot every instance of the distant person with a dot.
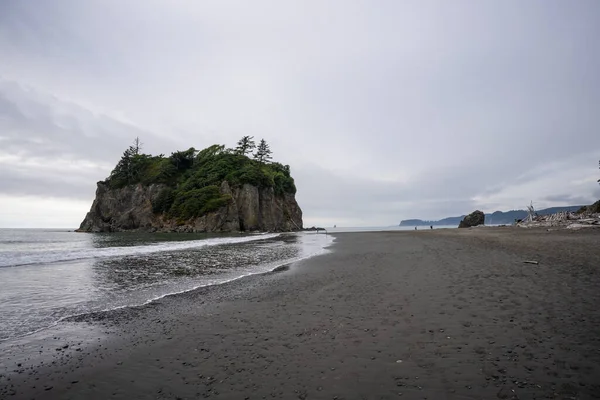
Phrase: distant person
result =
(415, 228)
(430, 226)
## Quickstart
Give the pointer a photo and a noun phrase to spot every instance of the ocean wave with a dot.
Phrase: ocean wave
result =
(18, 258)
(102, 313)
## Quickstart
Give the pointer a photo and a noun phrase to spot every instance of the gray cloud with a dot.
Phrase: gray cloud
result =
(35, 123)
(29, 183)
(404, 109)
(568, 199)
(53, 148)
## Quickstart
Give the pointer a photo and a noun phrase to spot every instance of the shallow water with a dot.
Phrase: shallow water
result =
(46, 275)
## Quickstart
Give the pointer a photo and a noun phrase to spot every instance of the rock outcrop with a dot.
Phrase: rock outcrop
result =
(250, 209)
(592, 209)
(474, 219)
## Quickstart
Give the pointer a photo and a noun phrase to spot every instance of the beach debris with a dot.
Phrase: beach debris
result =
(531, 262)
(399, 361)
(587, 218)
(579, 226)
(530, 213)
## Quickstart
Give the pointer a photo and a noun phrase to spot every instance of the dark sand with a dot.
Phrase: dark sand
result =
(433, 314)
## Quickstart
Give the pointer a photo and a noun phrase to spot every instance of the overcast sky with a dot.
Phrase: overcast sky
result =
(385, 110)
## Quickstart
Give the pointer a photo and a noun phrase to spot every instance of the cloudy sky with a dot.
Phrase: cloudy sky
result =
(385, 109)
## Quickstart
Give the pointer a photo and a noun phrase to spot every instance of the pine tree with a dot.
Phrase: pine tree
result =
(130, 157)
(263, 152)
(183, 160)
(127, 169)
(136, 147)
(245, 145)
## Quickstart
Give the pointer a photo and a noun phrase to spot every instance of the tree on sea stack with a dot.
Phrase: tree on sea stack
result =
(245, 145)
(263, 152)
(126, 167)
(136, 147)
(211, 190)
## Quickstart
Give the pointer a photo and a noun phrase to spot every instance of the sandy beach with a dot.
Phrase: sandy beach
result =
(442, 314)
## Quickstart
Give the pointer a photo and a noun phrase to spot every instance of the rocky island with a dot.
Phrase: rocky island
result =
(212, 190)
(476, 218)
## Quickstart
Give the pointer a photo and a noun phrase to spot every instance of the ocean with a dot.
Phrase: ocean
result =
(49, 275)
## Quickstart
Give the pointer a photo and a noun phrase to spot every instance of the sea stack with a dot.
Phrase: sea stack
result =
(474, 219)
(214, 190)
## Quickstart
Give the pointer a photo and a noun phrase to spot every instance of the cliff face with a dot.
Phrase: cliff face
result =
(250, 209)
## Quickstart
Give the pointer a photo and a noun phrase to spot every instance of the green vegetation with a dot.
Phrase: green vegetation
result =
(592, 209)
(245, 145)
(263, 152)
(193, 177)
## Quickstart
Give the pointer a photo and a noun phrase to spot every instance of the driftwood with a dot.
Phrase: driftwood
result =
(530, 262)
(530, 213)
(563, 219)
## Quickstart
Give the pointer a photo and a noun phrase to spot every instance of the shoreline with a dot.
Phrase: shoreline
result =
(148, 249)
(278, 266)
(337, 324)
(88, 332)
(165, 279)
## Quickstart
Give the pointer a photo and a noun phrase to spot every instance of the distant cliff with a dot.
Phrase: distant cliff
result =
(498, 217)
(214, 190)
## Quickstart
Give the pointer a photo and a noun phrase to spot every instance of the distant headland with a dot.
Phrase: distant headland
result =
(495, 218)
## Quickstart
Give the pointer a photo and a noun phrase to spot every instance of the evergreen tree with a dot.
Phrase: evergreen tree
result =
(245, 145)
(136, 147)
(125, 170)
(263, 152)
(183, 159)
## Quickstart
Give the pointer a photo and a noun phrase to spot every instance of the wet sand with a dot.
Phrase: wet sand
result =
(429, 314)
